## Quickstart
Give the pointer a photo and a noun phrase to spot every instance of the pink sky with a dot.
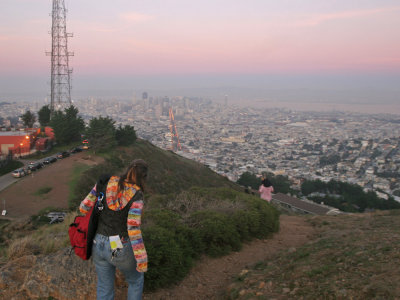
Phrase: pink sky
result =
(169, 37)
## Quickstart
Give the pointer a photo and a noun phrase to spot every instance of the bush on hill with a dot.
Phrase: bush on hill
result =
(175, 235)
(189, 211)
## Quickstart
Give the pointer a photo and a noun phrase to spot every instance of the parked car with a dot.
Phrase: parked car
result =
(35, 165)
(62, 154)
(18, 173)
(76, 150)
(56, 217)
(49, 160)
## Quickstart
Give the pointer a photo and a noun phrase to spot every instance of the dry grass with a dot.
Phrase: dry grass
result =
(22, 247)
(356, 257)
(47, 239)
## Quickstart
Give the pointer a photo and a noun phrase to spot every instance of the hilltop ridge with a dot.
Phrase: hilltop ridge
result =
(310, 257)
(190, 211)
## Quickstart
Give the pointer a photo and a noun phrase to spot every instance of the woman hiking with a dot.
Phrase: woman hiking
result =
(266, 189)
(118, 242)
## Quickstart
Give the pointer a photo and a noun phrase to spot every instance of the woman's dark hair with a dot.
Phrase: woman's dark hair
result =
(139, 168)
(266, 182)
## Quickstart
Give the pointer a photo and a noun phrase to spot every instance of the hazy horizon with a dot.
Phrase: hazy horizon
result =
(361, 89)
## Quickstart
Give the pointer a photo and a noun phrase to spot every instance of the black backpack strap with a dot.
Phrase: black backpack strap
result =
(101, 187)
(101, 184)
(138, 196)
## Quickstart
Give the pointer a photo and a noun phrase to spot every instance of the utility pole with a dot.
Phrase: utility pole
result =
(4, 212)
(60, 71)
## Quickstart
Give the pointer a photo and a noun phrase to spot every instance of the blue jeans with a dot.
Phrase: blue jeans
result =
(124, 260)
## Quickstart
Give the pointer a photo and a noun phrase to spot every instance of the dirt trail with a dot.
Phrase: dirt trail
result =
(210, 278)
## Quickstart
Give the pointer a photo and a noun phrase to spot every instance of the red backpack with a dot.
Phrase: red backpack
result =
(82, 231)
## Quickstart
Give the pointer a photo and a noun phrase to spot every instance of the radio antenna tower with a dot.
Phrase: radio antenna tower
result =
(175, 144)
(60, 71)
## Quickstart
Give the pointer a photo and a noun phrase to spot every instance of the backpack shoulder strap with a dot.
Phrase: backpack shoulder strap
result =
(138, 196)
(101, 184)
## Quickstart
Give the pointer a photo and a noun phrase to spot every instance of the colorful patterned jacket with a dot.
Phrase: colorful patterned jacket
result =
(117, 201)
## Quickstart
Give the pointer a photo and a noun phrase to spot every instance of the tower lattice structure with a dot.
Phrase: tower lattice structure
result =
(60, 71)
(175, 143)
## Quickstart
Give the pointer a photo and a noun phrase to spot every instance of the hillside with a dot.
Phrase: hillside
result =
(190, 212)
(169, 173)
(343, 257)
(351, 257)
(339, 257)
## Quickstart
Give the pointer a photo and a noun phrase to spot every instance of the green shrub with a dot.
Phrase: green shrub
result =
(43, 190)
(168, 262)
(189, 211)
(212, 221)
(246, 223)
(268, 218)
(217, 232)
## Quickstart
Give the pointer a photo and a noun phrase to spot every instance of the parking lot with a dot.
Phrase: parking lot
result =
(19, 194)
(33, 166)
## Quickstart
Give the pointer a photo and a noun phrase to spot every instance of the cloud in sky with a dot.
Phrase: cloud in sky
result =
(135, 17)
(317, 19)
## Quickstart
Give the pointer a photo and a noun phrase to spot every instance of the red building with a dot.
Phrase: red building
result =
(18, 143)
(41, 144)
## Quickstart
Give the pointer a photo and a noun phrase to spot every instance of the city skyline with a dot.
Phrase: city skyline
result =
(174, 45)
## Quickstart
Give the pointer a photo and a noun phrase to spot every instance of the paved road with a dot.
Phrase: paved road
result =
(6, 180)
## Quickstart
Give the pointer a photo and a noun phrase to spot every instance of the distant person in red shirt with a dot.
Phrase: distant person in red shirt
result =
(266, 189)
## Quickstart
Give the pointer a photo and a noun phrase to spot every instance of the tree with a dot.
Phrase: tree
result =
(249, 179)
(280, 183)
(347, 197)
(75, 123)
(28, 119)
(67, 125)
(101, 133)
(44, 115)
(125, 135)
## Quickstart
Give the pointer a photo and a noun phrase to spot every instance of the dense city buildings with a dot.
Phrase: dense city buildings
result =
(355, 148)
